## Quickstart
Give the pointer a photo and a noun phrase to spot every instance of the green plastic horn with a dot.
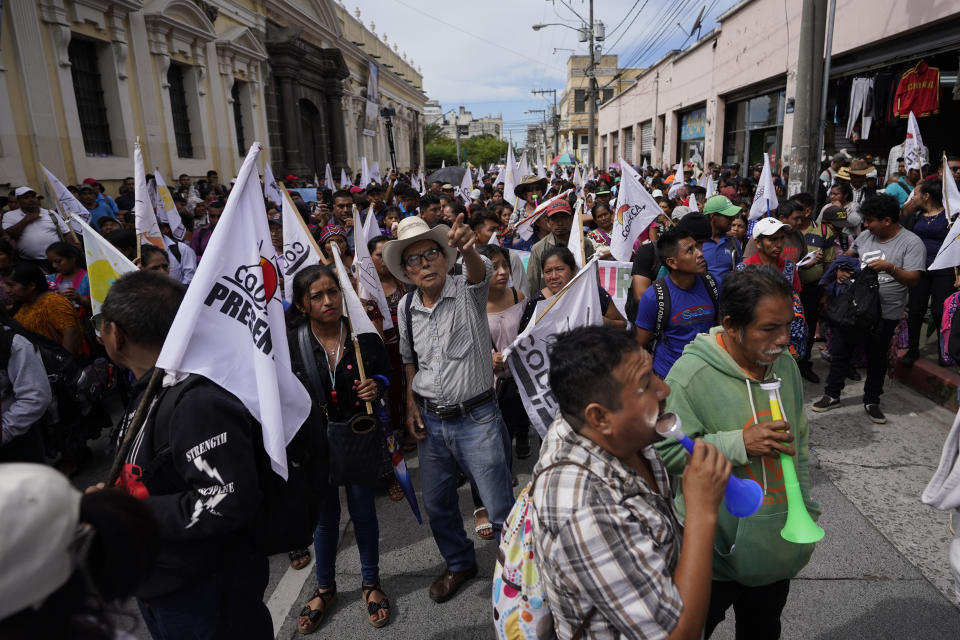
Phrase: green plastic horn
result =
(800, 527)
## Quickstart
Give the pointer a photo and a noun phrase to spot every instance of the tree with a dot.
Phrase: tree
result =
(483, 150)
(438, 151)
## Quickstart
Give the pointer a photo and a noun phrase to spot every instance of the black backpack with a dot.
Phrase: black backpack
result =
(76, 387)
(660, 289)
(290, 509)
(858, 307)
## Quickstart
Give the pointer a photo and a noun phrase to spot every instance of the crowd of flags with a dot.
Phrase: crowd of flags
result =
(231, 322)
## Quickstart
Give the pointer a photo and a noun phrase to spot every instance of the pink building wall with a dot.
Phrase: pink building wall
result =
(756, 44)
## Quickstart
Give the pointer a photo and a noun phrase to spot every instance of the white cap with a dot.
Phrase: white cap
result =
(40, 511)
(768, 227)
(22, 190)
(475, 194)
(657, 193)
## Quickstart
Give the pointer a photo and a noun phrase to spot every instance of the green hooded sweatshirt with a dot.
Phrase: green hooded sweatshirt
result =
(717, 400)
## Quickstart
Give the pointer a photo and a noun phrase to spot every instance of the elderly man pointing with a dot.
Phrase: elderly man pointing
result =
(451, 406)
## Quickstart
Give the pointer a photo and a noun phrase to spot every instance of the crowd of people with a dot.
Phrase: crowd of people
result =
(718, 304)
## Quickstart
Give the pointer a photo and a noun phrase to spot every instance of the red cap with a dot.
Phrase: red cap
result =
(355, 190)
(89, 181)
(558, 206)
(291, 178)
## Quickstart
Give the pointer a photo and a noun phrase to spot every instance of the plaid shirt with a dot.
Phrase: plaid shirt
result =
(604, 539)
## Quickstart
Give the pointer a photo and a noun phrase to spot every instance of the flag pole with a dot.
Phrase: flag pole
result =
(136, 423)
(60, 210)
(578, 221)
(288, 201)
(946, 201)
(559, 295)
(139, 242)
(356, 344)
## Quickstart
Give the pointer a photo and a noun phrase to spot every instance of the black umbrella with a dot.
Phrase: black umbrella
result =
(447, 175)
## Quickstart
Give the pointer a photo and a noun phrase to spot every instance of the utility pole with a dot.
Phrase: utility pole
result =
(555, 118)
(805, 155)
(592, 106)
(456, 127)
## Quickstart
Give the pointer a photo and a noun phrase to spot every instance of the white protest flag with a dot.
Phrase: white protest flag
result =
(368, 280)
(271, 190)
(359, 321)
(364, 173)
(635, 210)
(105, 263)
(577, 178)
(230, 326)
(145, 219)
(510, 178)
(575, 241)
(371, 227)
(523, 167)
(177, 230)
(344, 180)
(576, 305)
(68, 204)
(525, 226)
(328, 179)
(423, 184)
(443, 164)
(490, 170)
(316, 180)
(500, 177)
(711, 187)
(299, 247)
(494, 239)
(765, 199)
(949, 253)
(466, 186)
(643, 167)
(375, 173)
(911, 148)
(541, 170)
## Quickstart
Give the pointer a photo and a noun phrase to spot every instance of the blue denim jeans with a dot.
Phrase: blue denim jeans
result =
(326, 538)
(479, 444)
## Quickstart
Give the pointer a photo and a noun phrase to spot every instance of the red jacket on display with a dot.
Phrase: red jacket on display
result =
(918, 91)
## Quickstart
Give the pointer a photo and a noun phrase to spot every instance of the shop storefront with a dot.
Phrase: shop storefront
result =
(914, 73)
(753, 126)
(692, 134)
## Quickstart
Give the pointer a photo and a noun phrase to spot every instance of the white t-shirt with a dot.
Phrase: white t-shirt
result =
(38, 235)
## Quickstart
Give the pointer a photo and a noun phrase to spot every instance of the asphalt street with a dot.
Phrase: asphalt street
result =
(880, 572)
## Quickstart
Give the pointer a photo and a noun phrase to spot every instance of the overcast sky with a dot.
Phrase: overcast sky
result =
(484, 55)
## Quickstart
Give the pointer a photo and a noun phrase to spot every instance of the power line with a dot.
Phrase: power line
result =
(627, 30)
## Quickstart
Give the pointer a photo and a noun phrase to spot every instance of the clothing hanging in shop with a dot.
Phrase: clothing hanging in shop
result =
(918, 91)
(861, 107)
(897, 152)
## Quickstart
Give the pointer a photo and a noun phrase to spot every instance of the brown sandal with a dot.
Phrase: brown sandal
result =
(315, 616)
(373, 607)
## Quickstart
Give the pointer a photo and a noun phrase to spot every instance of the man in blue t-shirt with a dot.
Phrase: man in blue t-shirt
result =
(721, 251)
(692, 308)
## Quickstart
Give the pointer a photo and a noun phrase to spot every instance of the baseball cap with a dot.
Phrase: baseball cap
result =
(20, 191)
(721, 205)
(768, 227)
(291, 178)
(833, 214)
(89, 181)
(475, 194)
(41, 512)
(696, 224)
(446, 186)
(559, 205)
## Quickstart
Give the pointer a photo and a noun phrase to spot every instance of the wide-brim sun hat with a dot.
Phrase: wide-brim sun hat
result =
(527, 183)
(410, 231)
